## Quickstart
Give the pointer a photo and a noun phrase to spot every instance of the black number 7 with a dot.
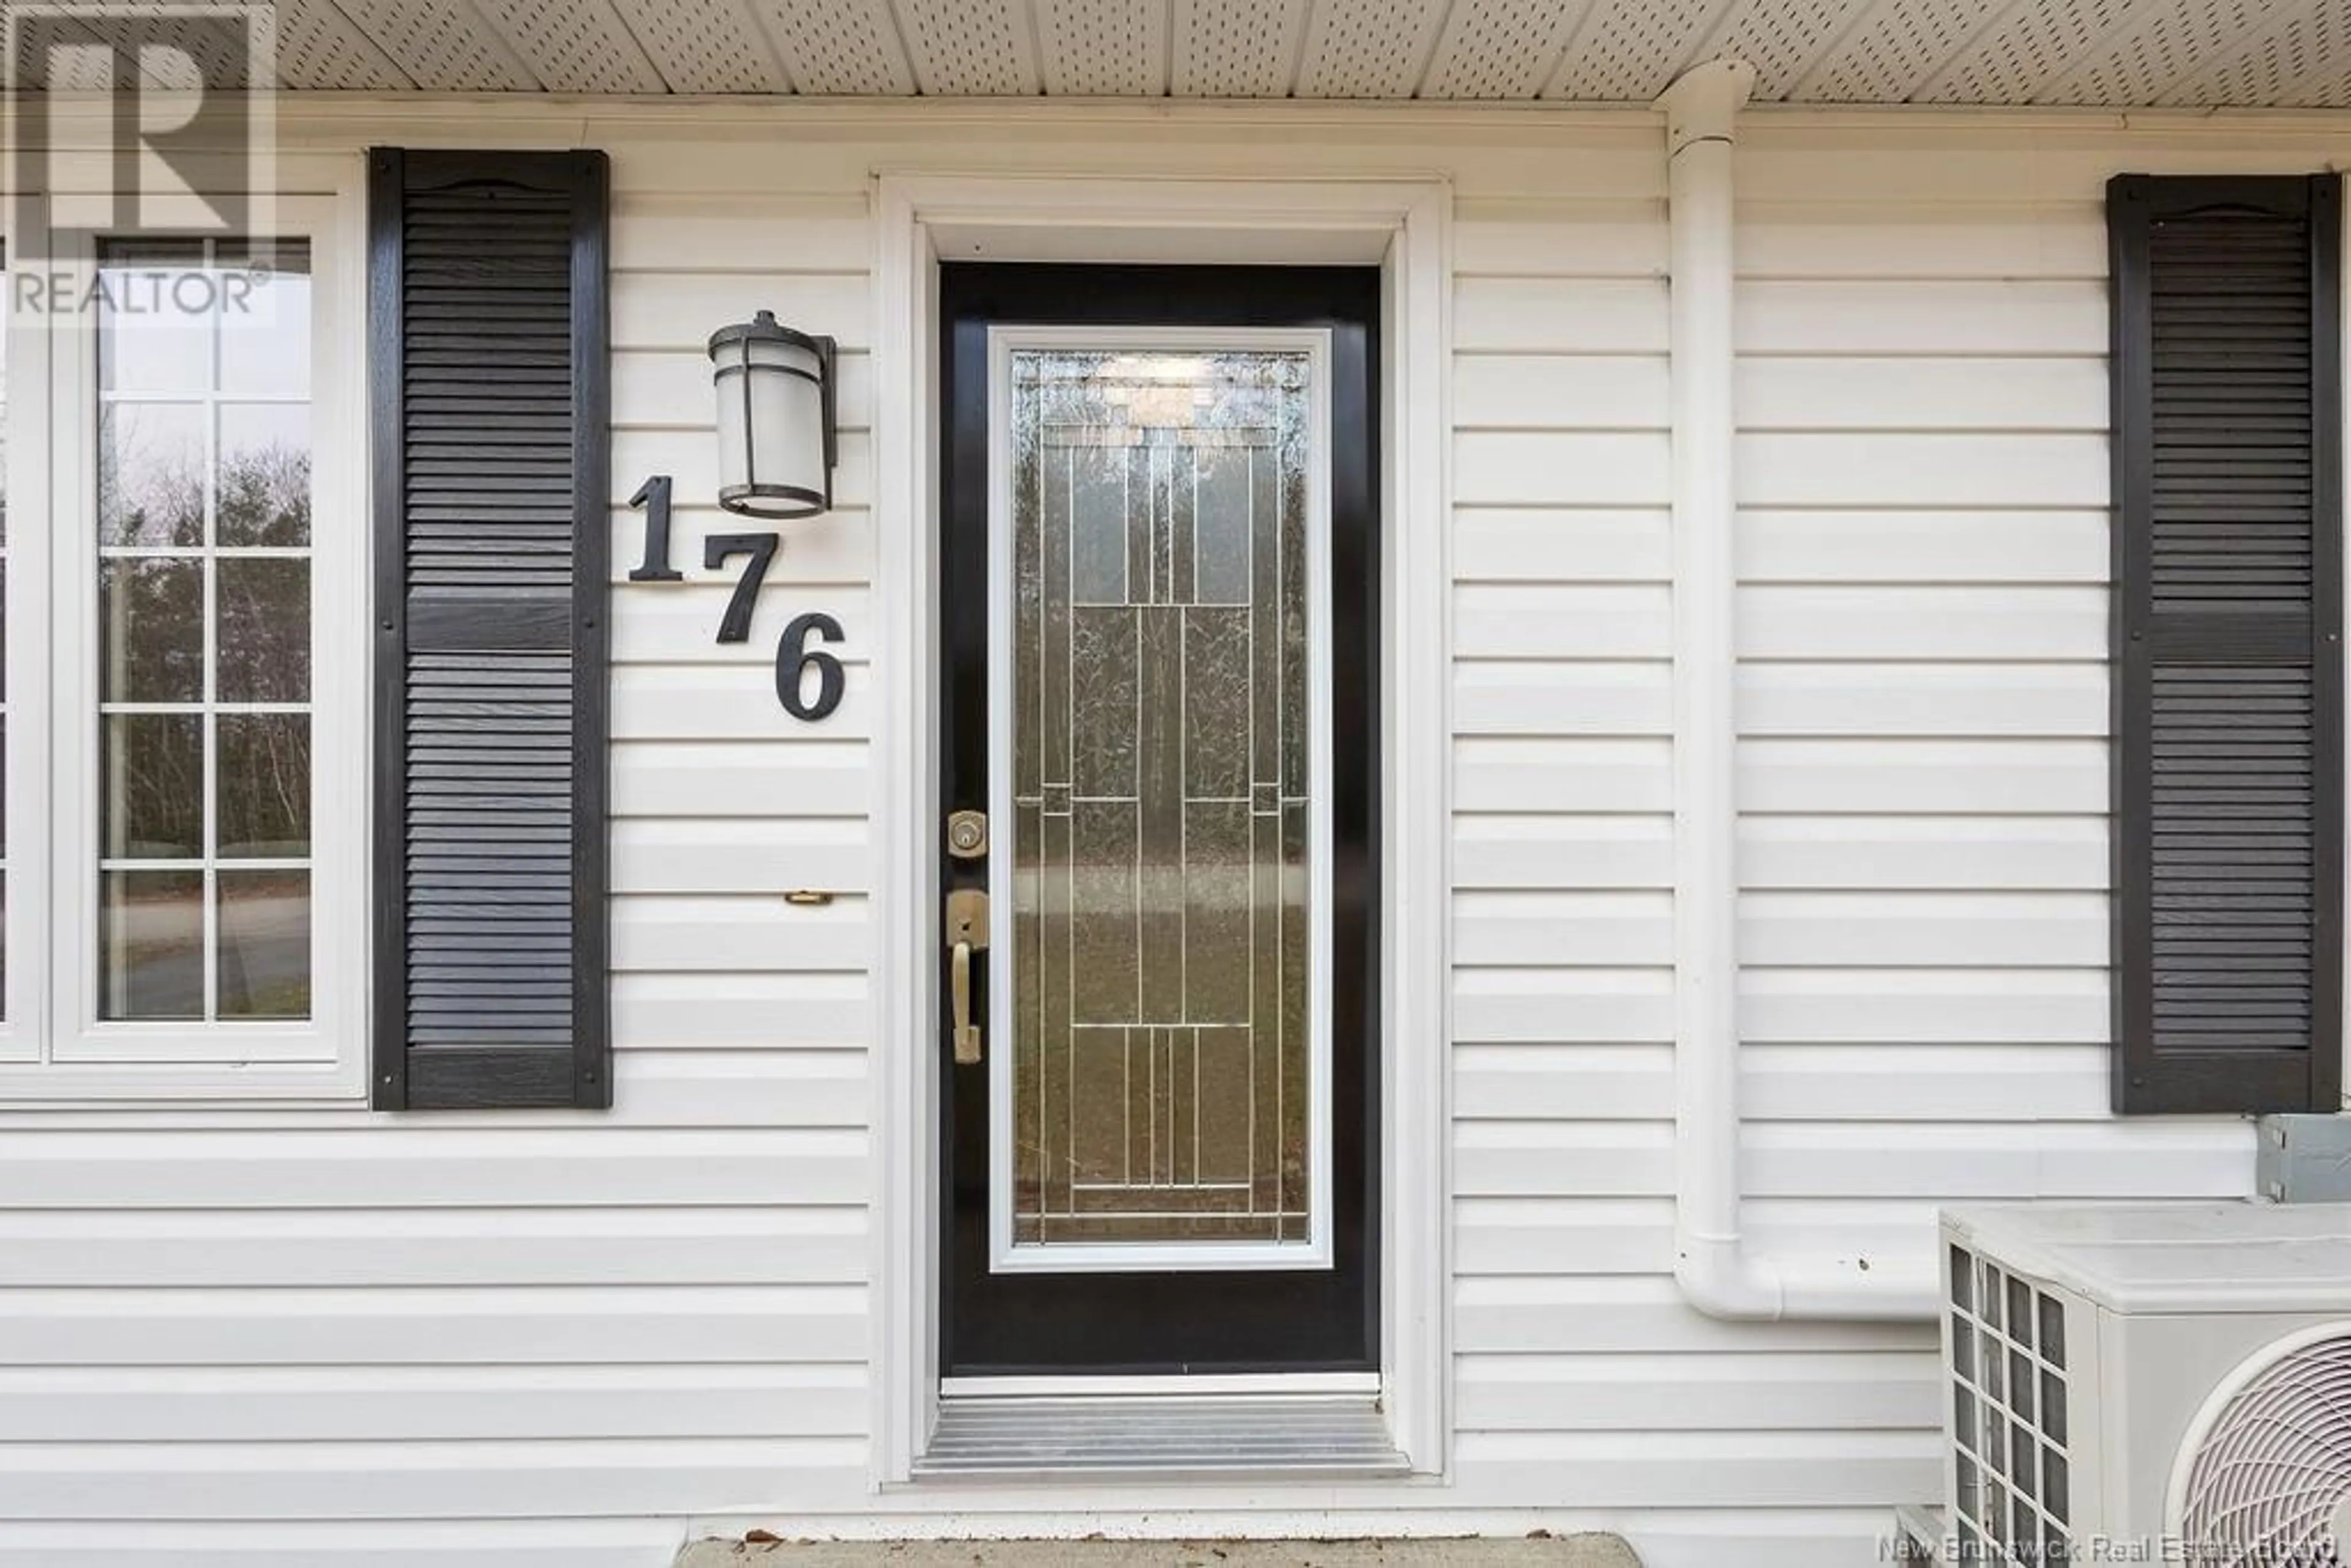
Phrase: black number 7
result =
(734, 626)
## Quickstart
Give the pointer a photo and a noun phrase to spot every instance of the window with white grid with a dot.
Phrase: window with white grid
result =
(201, 601)
(204, 628)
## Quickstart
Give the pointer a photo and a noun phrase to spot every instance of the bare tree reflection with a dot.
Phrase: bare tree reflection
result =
(151, 474)
(265, 496)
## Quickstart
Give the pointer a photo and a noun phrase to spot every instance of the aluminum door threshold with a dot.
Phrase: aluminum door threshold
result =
(1162, 1437)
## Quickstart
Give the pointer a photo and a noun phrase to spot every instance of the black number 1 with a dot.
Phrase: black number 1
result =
(652, 499)
(734, 626)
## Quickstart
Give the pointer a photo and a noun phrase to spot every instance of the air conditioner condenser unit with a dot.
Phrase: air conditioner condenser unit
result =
(2148, 1383)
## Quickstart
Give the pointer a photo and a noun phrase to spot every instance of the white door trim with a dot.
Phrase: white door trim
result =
(1403, 226)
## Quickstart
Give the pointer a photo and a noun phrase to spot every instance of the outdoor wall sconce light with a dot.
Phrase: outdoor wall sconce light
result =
(777, 444)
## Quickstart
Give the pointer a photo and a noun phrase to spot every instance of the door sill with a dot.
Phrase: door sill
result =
(1161, 1436)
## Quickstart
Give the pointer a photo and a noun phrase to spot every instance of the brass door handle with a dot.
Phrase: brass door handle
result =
(966, 932)
(967, 1033)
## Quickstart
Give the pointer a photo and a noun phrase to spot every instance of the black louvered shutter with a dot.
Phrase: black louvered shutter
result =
(487, 309)
(2228, 642)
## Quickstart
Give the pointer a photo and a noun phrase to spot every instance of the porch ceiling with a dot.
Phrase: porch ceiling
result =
(2293, 54)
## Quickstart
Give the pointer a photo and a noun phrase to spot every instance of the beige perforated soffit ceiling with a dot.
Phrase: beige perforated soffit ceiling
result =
(2252, 54)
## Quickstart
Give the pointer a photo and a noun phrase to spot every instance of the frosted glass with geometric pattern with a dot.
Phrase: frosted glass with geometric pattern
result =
(1161, 844)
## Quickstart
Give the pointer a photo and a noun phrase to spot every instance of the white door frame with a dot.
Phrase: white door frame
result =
(1402, 226)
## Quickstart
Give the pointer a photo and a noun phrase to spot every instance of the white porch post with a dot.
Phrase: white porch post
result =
(1716, 1271)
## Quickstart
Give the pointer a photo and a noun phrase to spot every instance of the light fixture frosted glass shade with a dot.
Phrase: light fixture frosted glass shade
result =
(775, 419)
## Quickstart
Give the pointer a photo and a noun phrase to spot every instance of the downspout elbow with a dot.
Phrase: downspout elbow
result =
(1719, 1278)
(1703, 102)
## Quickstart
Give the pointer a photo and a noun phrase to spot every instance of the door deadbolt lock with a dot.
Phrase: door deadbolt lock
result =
(968, 835)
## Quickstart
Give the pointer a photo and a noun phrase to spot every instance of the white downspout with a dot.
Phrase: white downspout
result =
(1714, 1269)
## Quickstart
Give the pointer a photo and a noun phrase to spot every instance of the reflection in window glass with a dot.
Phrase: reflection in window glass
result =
(264, 944)
(151, 944)
(204, 626)
(265, 494)
(263, 610)
(152, 640)
(150, 473)
(154, 769)
(262, 786)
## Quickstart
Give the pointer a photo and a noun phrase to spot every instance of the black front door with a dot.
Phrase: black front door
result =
(1159, 605)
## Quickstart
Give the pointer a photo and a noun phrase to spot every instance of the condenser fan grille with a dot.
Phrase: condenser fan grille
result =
(2008, 1396)
(2272, 1472)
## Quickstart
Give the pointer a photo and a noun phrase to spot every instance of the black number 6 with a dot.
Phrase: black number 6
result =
(793, 658)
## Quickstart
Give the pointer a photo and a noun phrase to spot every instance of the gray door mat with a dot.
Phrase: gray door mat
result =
(1533, 1552)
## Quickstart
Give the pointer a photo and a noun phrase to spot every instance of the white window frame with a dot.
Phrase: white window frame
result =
(24, 924)
(54, 1047)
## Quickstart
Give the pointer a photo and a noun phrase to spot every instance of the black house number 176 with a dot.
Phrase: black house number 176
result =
(796, 661)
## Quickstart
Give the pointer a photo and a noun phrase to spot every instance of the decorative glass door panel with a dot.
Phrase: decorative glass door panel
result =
(1160, 892)
(1159, 802)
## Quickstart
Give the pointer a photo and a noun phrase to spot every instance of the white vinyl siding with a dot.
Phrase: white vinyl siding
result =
(452, 1341)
